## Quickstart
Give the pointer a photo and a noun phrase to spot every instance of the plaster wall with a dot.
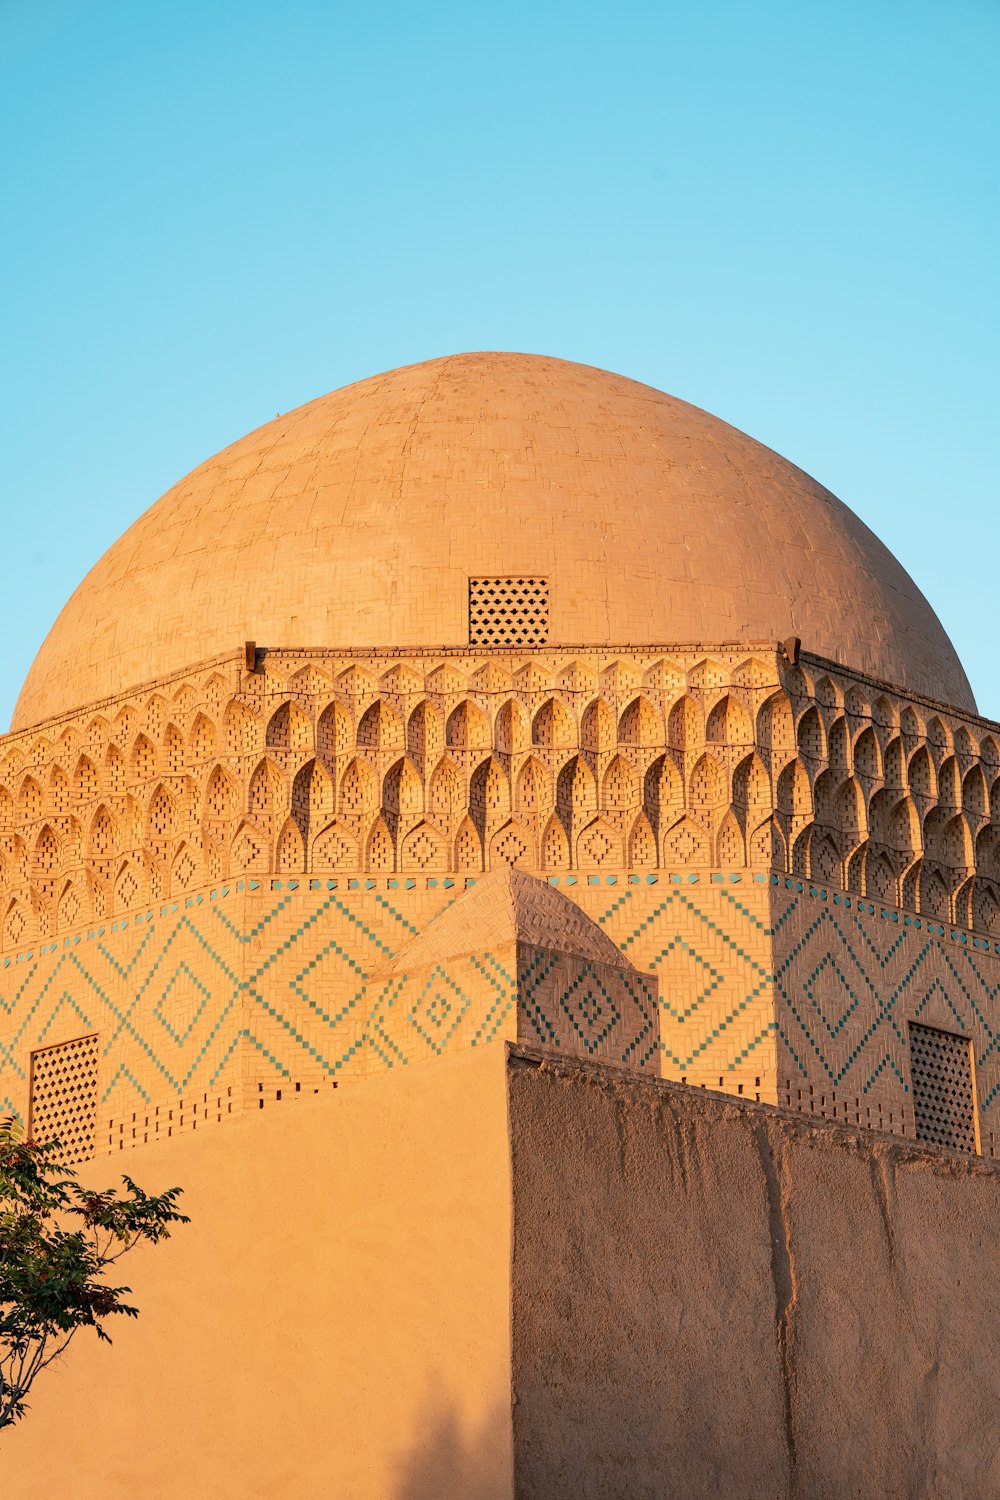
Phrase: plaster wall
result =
(718, 1299)
(333, 1322)
(517, 1274)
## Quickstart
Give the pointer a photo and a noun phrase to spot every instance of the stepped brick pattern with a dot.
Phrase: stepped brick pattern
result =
(213, 875)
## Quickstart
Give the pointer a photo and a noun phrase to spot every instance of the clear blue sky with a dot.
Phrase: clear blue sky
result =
(785, 212)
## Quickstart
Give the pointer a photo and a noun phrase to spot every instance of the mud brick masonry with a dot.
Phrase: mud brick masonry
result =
(492, 705)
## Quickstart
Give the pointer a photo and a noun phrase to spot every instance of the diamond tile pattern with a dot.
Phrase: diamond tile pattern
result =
(228, 997)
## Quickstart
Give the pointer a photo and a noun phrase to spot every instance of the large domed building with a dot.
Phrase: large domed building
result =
(362, 520)
(494, 700)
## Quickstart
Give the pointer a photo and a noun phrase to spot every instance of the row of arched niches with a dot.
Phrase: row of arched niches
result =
(551, 763)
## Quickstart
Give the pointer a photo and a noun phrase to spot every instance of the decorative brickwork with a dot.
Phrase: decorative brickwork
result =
(319, 788)
(260, 991)
(850, 978)
(556, 761)
(508, 611)
(512, 957)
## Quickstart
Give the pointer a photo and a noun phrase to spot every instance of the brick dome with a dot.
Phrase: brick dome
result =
(359, 519)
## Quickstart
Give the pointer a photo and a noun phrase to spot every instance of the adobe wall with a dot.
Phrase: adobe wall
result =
(335, 1321)
(712, 1298)
(693, 1296)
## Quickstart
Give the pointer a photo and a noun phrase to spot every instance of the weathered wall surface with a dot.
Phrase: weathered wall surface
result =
(333, 1322)
(715, 1299)
(695, 1296)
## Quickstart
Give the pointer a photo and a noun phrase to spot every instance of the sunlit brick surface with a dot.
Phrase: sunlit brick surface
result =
(241, 864)
(359, 519)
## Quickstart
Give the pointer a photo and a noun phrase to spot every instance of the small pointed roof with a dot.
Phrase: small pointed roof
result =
(504, 907)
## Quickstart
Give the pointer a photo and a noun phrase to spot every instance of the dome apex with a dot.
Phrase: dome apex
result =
(359, 519)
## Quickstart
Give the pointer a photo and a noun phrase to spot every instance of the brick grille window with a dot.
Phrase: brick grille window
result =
(508, 611)
(944, 1105)
(64, 1096)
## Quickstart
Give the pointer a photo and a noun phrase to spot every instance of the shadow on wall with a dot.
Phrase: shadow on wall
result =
(454, 1462)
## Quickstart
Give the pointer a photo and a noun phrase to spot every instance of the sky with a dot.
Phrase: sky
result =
(786, 213)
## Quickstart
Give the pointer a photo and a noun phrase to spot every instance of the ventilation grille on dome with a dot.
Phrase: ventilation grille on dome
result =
(508, 611)
(64, 1096)
(944, 1106)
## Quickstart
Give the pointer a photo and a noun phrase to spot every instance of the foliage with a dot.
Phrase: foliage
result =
(57, 1241)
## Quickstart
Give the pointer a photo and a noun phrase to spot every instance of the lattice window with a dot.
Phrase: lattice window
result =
(64, 1096)
(508, 611)
(944, 1103)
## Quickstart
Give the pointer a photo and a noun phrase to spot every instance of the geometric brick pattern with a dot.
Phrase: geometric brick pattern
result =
(210, 1005)
(553, 758)
(587, 1007)
(944, 1106)
(519, 992)
(548, 975)
(203, 1007)
(850, 979)
(64, 1097)
(466, 1001)
(708, 943)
